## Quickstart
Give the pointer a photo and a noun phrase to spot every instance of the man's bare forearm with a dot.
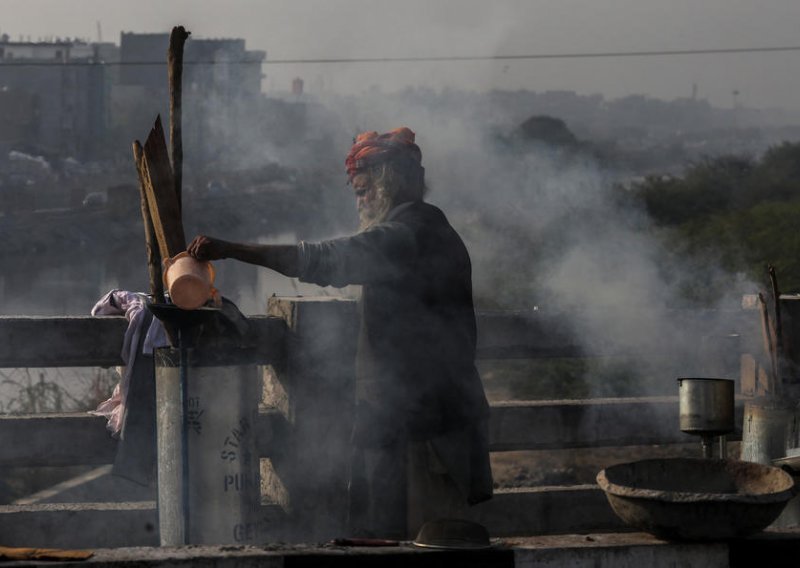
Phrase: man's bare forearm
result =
(281, 258)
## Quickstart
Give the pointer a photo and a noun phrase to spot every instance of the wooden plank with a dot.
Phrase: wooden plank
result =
(81, 341)
(165, 210)
(748, 374)
(150, 238)
(556, 424)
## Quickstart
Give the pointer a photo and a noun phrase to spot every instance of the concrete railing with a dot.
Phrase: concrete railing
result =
(307, 346)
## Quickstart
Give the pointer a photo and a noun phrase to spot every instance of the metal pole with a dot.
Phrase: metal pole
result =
(184, 386)
(708, 449)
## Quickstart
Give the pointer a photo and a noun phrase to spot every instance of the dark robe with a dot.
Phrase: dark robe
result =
(416, 376)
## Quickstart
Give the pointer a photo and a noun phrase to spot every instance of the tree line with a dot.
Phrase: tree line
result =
(739, 212)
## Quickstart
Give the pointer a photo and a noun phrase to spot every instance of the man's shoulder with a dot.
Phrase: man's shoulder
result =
(429, 224)
(417, 212)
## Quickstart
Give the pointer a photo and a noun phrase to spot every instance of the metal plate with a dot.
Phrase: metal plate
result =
(459, 546)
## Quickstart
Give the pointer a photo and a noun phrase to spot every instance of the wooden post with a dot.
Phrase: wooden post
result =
(175, 69)
(770, 347)
(151, 242)
(309, 472)
(790, 344)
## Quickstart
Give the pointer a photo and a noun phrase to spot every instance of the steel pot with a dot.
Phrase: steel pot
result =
(706, 406)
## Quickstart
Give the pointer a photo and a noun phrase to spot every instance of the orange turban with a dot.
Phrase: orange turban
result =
(372, 148)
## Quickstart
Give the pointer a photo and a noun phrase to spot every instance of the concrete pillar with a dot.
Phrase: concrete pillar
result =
(214, 498)
(308, 471)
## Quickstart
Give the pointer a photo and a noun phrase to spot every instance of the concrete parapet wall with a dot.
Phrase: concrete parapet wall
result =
(81, 439)
(303, 428)
(96, 341)
(515, 512)
(595, 550)
(599, 422)
(61, 341)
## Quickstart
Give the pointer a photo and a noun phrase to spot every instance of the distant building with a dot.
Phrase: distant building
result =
(221, 86)
(219, 66)
(55, 95)
(68, 97)
(297, 86)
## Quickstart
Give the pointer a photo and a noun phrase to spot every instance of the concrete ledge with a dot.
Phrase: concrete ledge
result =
(82, 438)
(80, 525)
(779, 548)
(297, 556)
(55, 440)
(100, 525)
(541, 333)
(514, 512)
(524, 335)
(599, 422)
(631, 550)
(546, 510)
(542, 510)
(96, 485)
(96, 341)
(603, 550)
(61, 341)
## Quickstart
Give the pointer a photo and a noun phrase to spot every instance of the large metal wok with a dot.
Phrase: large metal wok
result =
(696, 499)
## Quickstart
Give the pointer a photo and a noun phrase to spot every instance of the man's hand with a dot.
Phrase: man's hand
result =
(207, 248)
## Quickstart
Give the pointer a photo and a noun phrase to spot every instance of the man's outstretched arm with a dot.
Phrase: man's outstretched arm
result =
(281, 258)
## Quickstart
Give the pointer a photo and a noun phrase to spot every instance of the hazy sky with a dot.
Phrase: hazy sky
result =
(292, 29)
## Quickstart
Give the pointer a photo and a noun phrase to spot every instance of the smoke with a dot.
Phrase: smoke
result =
(548, 227)
(544, 224)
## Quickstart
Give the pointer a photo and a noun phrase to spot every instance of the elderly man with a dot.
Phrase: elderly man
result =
(421, 418)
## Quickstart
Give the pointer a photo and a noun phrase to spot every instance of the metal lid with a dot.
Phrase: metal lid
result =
(453, 534)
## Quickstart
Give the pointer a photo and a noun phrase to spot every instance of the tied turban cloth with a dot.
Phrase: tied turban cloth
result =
(371, 148)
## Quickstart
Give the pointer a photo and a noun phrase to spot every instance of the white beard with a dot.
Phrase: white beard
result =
(376, 211)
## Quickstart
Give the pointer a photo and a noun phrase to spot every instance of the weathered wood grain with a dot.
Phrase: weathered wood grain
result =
(150, 238)
(165, 209)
